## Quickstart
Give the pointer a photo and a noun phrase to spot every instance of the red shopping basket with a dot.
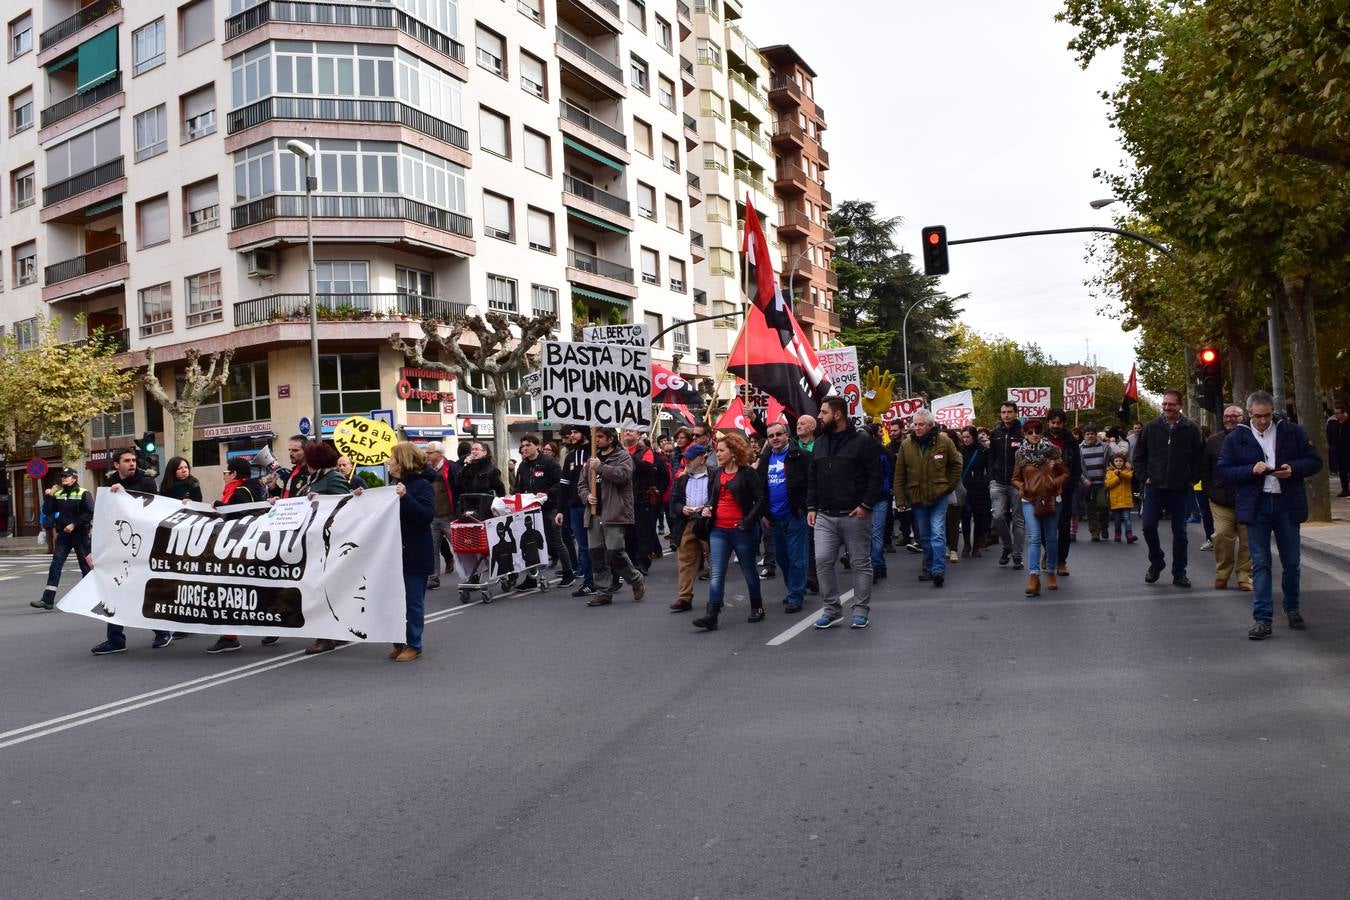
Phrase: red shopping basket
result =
(469, 537)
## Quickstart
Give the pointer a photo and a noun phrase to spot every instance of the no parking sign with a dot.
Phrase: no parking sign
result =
(36, 468)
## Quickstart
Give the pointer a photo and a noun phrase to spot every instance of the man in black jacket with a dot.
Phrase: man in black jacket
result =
(577, 441)
(843, 484)
(125, 477)
(688, 528)
(1003, 443)
(1338, 447)
(1167, 459)
(1057, 434)
(784, 469)
(1222, 503)
(70, 509)
(540, 474)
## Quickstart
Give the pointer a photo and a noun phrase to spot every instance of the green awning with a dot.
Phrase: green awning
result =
(598, 223)
(103, 207)
(587, 151)
(622, 302)
(98, 60)
(63, 62)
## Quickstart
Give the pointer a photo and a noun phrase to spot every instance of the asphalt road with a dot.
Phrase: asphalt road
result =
(1112, 740)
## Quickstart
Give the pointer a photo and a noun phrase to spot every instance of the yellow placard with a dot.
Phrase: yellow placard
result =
(367, 442)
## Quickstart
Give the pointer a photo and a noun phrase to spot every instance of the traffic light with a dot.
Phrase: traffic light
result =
(1209, 379)
(935, 250)
(147, 458)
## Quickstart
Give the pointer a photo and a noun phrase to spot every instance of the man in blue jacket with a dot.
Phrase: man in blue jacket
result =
(1266, 463)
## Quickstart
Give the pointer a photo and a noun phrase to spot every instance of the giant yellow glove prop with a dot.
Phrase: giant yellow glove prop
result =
(878, 388)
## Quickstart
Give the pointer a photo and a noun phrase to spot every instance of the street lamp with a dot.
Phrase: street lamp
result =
(1105, 201)
(306, 153)
(904, 341)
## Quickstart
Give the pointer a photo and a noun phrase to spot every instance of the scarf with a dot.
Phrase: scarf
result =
(1036, 453)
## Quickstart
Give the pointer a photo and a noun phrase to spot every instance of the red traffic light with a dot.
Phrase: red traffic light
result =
(1208, 355)
(934, 238)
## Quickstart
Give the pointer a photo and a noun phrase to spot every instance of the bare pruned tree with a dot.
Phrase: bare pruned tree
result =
(197, 386)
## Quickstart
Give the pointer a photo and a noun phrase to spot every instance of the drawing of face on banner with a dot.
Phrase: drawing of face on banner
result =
(348, 578)
(516, 542)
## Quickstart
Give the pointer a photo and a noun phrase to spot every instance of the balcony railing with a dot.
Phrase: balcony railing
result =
(346, 307)
(594, 194)
(63, 109)
(789, 172)
(687, 64)
(597, 266)
(696, 238)
(578, 116)
(84, 181)
(94, 261)
(795, 219)
(349, 206)
(116, 341)
(694, 181)
(338, 110)
(306, 13)
(690, 123)
(823, 155)
(749, 88)
(789, 129)
(745, 176)
(610, 5)
(755, 137)
(68, 26)
(783, 83)
(682, 11)
(826, 197)
(590, 54)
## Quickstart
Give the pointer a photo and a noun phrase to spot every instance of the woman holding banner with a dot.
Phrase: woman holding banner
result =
(412, 482)
(735, 505)
(1039, 475)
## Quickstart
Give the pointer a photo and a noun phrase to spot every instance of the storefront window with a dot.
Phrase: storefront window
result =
(349, 384)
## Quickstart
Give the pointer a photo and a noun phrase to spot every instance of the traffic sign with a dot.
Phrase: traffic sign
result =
(305, 425)
(37, 468)
(383, 415)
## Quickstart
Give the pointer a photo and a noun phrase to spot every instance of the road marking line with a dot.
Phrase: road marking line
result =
(800, 626)
(173, 691)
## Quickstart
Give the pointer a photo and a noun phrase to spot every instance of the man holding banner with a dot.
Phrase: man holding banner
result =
(609, 510)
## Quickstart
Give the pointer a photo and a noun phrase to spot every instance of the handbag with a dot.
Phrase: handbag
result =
(1045, 507)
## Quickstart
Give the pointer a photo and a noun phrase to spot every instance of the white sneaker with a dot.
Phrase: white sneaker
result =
(952, 556)
(1207, 545)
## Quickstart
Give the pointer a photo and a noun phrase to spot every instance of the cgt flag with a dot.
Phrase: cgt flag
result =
(734, 419)
(1131, 397)
(670, 388)
(771, 352)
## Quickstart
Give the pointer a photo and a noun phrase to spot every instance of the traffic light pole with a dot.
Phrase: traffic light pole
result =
(1097, 229)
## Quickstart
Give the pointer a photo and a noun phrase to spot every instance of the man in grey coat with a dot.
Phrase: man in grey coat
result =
(608, 512)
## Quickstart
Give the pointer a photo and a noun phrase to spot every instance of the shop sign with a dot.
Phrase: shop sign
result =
(407, 392)
(239, 429)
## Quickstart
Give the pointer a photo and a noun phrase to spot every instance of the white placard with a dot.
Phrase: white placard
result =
(902, 410)
(955, 410)
(626, 335)
(1080, 392)
(516, 542)
(595, 384)
(286, 515)
(1032, 402)
(841, 367)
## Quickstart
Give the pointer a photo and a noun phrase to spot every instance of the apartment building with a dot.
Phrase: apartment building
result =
(529, 156)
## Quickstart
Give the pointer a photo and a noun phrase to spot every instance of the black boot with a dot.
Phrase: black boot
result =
(709, 618)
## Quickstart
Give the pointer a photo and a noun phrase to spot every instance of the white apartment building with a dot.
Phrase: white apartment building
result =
(528, 156)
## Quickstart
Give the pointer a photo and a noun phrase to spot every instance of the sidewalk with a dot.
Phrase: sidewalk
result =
(22, 546)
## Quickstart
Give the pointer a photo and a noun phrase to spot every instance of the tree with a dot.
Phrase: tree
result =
(195, 388)
(51, 391)
(493, 368)
(995, 363)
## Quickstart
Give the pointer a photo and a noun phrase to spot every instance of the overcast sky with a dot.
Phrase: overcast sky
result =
(970, 114)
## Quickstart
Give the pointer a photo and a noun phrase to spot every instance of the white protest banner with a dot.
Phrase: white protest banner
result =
(596, 384)
(955, 410)
(902, 410)
(626, 335)
(841, 367)
(1032, 402)
(1080, 392)
(516, 542)
(534, 384)
(159, 563)
(755, 400)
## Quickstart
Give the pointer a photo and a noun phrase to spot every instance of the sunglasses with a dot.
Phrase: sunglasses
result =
(1031, 431)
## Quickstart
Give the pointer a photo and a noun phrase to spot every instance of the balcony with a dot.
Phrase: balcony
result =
(604, 13)
(784, 90)
(685, 17)
(87, 16)
(696, 248)
(64, 109)
(583, 126)
(823, 156)
(593, 194)
(787, 133)
(337, 110)
(740, 81)
(795, 225)
(601, 274)
(687, 76)
(695, 189)
(821, 318)
(94, 261)
(832, 278)
(590, 63)
(792, 179)
(87, 180)
(349, 206)
(304, 13)
(826, 197)
(346, 308)
(745, 176)
(691, 138)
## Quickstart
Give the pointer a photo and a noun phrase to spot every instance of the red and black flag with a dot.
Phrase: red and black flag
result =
(1131, 397)
(779, 361)
(671, 388)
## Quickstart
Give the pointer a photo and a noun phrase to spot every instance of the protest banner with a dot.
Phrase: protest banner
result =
(902, 410)
(1080, 392)
(625, 335)
(841, 367)
(1032, 402)
(172, 566)
(594, 384)
(367, 442)
(955, 410)
(516, 542)
(533, 384)
(755, 401)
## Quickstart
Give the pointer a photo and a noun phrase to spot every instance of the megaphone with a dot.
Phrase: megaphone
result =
(264, 459)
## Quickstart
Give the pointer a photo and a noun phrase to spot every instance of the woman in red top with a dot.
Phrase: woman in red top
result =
(735, 505)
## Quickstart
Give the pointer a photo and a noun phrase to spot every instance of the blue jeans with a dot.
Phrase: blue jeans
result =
(576, 517)
(789, 547)
(931, 523)
(118, 635)
(880, 515)
(1040, 532)
(1176, 503)
(721, 543)
(1272, 518)
(1122, 519)
(415, 591)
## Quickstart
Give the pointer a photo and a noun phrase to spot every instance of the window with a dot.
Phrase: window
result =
(674, 213)
(711, 103)
(195, 25)
(22, 190)
(637, 15)
(491, 51)
(646, 197)
(87, 150)
(665, 91)
(540, 227)
(245, 397)
(25, 263)
(414, 282)
(199, 113)
(719, 261)
(653, 321)
(679, 338)
(715, 157)
(21, 111)
(651, 266)
(498, 217)
(718, 209)
(676, 268)
(156, 309)
(537, 155)
(203, 298)
(152, 220)
(533, 75)
(637, 74)
(349, 384)
(120, 420)
(152, 132)
(21, 35)
(501, 293)
(201, 206)
(670, 153)
(494, 132)
(709, 54)
(147, 47)
(544, 300)
(481, 406)
(663, 33)
(530, 10)
(642, 137)
(26, 333)
(344, 280)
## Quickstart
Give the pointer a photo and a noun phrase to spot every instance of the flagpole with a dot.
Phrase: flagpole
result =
(745, 291)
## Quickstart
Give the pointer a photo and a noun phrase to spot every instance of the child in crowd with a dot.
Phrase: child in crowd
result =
(1119, 488)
